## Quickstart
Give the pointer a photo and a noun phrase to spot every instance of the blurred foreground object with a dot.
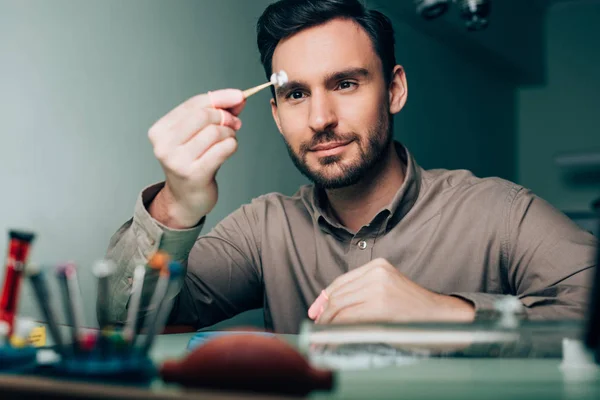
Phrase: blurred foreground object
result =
(247, 362)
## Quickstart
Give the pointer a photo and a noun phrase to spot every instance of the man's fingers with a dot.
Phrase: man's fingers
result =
(316, 308)
(367, 282)
(197, 146)
(358, 313)
(193, 125)
(352, 275)
(225, 98)
(361, 283)
(219, 99)
(319, 304)
(216, 155)
(237, 110)
(340, 302)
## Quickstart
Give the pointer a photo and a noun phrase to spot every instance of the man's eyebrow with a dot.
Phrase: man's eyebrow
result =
(282, 90)
(347, 74)
(333, 77)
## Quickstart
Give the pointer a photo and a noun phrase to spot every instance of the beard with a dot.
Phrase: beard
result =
(373, 150)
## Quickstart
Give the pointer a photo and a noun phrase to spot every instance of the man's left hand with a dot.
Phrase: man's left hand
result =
(378, 292)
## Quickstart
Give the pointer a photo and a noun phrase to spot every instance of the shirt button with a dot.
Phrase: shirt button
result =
(362, 245)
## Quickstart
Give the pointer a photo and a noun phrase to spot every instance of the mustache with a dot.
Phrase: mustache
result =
(325, 137)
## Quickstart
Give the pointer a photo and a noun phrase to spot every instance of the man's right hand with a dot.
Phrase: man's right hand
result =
(191, 143)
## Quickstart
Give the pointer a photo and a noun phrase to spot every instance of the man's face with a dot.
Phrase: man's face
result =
(334, 113)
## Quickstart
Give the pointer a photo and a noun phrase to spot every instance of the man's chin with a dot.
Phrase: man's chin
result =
(333, 179)
(329, 161)
(333, 171)
(335, 183)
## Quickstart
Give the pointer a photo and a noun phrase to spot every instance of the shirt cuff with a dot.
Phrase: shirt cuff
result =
(484, 303)
(152, 235)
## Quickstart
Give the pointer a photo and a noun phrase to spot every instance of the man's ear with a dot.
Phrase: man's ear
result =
(398, 90)
(276, 115)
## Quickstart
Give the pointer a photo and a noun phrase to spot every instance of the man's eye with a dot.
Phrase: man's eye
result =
(346, 85)
(296, 95)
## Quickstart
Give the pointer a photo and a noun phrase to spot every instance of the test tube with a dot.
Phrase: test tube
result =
(134, 303)
(40, 289)
(103, 269)
(164, 308)
(161, 264)
(67, 276)
(18, 251)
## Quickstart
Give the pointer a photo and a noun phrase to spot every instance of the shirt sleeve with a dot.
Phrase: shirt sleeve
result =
(548, 261)
(222, 275)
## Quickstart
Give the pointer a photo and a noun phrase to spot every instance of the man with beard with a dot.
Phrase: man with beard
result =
(376, 238)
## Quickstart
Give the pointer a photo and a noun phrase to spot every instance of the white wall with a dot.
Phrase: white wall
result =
(81, 82)
(564, 114)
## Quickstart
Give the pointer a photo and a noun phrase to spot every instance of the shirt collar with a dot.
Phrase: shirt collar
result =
(402, 202)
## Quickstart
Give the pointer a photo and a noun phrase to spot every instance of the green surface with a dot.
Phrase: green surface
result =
(428, 378)
(466, 379)
(442, 378)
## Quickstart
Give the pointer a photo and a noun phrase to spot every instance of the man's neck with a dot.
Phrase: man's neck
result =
(355, 206)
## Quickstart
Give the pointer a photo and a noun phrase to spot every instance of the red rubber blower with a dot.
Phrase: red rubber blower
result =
(248, 363)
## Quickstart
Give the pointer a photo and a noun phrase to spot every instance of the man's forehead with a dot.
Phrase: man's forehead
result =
(323, 49)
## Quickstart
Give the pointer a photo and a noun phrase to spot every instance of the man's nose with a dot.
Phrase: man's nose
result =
(322, 112)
